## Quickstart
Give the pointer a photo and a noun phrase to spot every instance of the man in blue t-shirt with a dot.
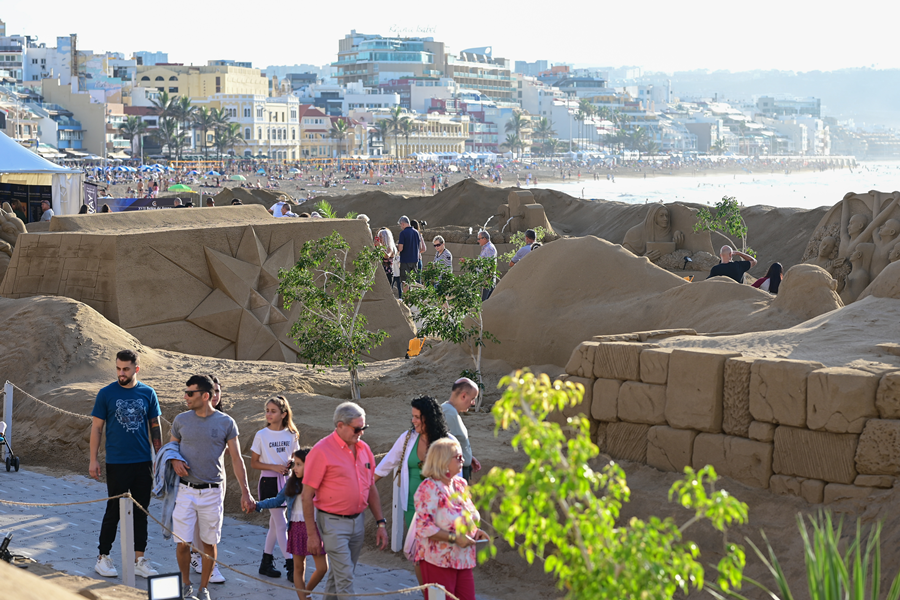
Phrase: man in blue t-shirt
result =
(409, 243)
(129, 413)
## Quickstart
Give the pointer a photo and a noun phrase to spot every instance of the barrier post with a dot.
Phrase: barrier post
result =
(7, 415)
(126, 523)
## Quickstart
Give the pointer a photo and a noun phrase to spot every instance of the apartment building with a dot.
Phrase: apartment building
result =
(270, 126)
(203, 81)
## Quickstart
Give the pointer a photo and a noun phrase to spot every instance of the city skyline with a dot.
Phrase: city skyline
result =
(686, 37)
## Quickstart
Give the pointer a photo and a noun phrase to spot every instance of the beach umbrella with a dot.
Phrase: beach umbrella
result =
(238, 178)
(213, 173)
(169, 168)
(193, 172)
(261, 172)
(180, 187)
(294, 170)
(121, 169)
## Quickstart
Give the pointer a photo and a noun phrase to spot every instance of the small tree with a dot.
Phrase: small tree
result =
(727, 218)
(518, 241)
(449, 307)
(562, 511)
(330, 330)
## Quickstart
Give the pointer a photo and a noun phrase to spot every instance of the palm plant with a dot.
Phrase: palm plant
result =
(184, 111)
(518, 124)
(407, 128)
(394, 122)
(637, 138)
(544, 129)
(204, 120)
(134, 127)
(340, 129)
(382, 130)
(167, 134)
(227, 137)
(512, 143)
(720, 146)
(324, 208)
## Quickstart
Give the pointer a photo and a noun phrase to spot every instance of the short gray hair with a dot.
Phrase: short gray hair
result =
(346, 412)
(363, 217)
(403, 219)
(437, 240)
(483, 233)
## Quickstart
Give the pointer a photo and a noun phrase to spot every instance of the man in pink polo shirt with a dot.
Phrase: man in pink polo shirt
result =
(339, 481)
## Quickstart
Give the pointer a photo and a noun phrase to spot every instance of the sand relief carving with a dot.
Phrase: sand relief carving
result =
(867, 233)
(10, 228)
(661, 239)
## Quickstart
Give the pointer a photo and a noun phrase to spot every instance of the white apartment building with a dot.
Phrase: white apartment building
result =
(270, 126)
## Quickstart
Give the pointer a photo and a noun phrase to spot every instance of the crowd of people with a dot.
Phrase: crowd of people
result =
(316, 497)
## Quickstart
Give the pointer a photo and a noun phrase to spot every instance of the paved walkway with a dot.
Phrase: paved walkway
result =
(66, 538)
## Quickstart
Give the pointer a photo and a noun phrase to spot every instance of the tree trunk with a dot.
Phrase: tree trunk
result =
(354, 384)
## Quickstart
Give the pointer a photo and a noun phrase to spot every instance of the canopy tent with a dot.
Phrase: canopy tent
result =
(21, 166)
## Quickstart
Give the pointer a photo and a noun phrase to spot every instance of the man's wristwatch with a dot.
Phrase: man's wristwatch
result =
(381, 523)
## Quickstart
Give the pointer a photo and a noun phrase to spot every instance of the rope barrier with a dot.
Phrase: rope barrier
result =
(268, 583)
(57, 409)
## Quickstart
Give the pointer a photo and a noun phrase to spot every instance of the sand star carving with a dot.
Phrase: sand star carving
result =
(245, 306)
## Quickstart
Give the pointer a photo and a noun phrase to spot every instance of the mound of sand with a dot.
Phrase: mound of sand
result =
(576, 288)
(886, 285)
(252, 196)
(776, 234)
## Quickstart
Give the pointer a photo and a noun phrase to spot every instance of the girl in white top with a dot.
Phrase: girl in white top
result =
(271, 453)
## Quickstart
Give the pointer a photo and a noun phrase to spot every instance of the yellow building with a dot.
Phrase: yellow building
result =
(432, 133)
(202, 82)
(270, 126)
(317, 140)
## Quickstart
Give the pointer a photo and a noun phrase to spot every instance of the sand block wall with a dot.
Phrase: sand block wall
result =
(794, 427)
(201, 282)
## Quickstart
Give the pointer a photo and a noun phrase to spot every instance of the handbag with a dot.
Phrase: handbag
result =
(395, 266)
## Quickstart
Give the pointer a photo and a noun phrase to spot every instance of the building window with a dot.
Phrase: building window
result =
(246, 113)
(34, 61)
(218, 81)
(159, 78)
(173, 78)
(259, 133)
(246, 133)
(259, 113)
(293, 134)
(145, 78)
(173, 90)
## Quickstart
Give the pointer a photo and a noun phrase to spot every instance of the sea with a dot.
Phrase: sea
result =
(798, 189)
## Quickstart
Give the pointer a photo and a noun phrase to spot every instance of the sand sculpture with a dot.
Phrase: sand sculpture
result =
(522, 212)
(10, 228)
(795, 426)
(199, 282)
(589, 287)
(857, 239)
(661, 234)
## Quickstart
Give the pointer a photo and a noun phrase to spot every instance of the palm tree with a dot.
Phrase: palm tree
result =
(134, 127)
(184, 112)
(382, 130)
(340, 129)
(544, 129)
(517, 124)
(228, 136)
(204, 120)
(720, 146)
(551, 146)
(167, 134)
(580, 117)
(587, 109)
(512, 143)
(637, 138)
(394, 122)
(407, 128)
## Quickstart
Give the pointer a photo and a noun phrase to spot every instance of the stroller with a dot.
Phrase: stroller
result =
(12, 461)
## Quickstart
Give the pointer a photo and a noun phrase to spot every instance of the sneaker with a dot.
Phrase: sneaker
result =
(105, 566)
(142, 567)
(197, 563)
(203, 594)
(187, 591)
(216, 577)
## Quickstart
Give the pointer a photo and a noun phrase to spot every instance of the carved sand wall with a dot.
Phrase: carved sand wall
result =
(856, 240)
(666, 236)
(193, 281)
(794, 427)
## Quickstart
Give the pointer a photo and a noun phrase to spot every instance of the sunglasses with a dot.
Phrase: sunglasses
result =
(438, 245)
(459, 457)
(190, 393)
(357, 430)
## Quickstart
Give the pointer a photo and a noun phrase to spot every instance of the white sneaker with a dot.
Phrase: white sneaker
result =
(105, 566)
(187, 591)
(216, 577)
(197, 563)
(203, 594)
(142, 567)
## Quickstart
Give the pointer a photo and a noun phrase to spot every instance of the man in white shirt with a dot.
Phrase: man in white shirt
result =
(462, 397)
(48, 212)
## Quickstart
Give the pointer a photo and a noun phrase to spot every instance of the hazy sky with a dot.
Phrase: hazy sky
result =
(654, 34)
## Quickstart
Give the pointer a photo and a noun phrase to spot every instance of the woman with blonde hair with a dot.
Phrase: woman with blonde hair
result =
(446, 522)
(390, 258)
(271, 454)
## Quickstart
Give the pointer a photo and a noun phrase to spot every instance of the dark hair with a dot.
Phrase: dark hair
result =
(432, 416)
(203, 383)
(293, 486)
(536, 245)
(774, 274)
(414, 224)
(105, 208)
(237, 202)
(127, 356)
(83, 210)
(530, 234)
(221, 405)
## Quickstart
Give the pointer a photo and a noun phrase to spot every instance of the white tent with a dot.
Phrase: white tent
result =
(22, 166)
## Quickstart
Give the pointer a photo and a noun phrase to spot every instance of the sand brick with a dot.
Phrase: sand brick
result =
(600, 436)
(670, 449)
(887, 398)
(811, 490)
(627, 441)
(778, 391)
(878, 481)
(878, 452)
(815, 454)
(655, 365)
(741, 459)
(581, 363)
(642, 403)
(841, 400)
(619, 360)
(835, 492)
(604, 399)
(694, 391)
(761, 432)
(736, 397)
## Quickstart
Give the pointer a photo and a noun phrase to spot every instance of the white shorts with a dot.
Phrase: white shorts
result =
(203, 508)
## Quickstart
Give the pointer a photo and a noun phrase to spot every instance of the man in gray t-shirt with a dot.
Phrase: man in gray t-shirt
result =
(203, 434)
(462, 398)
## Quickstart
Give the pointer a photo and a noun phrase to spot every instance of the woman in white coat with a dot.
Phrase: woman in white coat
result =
(404, 463)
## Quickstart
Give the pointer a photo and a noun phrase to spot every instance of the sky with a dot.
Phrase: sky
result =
(656, 35)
